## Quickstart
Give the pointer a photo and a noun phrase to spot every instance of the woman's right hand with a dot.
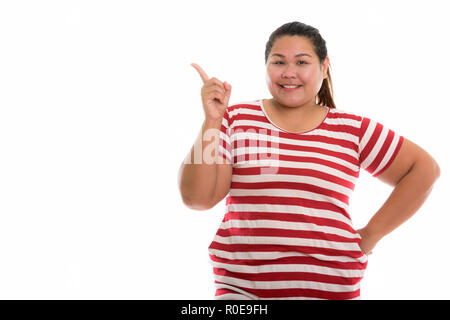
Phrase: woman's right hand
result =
(215, 95)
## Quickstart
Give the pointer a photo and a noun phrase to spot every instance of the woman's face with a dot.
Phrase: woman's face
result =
(292, 62)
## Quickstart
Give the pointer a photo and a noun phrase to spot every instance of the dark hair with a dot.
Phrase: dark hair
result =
(325, 95)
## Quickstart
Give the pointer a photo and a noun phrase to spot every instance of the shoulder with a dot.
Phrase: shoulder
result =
(342, 114)
(345, 119)
(244, 105)
(243, 110)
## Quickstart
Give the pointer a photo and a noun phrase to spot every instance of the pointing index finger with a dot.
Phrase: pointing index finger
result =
(201, 72)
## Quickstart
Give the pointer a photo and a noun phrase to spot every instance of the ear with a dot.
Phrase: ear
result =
(325, 65)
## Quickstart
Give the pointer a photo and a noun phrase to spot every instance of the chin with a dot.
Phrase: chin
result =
(290, 102)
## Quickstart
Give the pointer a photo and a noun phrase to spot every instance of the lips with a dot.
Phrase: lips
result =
(290, 86)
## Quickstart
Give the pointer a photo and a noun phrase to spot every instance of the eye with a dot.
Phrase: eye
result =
(278, 62)
(301, 62)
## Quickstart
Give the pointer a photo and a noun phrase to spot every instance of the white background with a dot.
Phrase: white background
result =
(99, 106)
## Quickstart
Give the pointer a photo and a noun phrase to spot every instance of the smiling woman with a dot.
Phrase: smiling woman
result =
(287, 232)
(294, 78)
(308, 48)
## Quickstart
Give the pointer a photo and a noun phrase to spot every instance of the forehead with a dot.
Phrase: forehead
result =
(290, 46)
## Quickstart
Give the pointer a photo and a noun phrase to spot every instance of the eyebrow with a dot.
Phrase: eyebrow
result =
(297, 55)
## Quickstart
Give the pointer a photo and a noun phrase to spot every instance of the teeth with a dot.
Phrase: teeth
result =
(290, 87)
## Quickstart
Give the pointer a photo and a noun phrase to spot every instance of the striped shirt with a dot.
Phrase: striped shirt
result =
(286, 233)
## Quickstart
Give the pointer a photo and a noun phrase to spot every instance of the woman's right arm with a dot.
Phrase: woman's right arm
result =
(203, 179)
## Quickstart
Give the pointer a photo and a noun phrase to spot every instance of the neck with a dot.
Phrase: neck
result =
(305, 108)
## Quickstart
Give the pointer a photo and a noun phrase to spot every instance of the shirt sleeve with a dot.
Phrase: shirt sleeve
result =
(225, 140)
(378, 146)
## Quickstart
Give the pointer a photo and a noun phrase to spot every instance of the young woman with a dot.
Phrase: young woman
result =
(289, 165)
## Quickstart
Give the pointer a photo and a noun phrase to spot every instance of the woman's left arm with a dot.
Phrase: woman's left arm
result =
(412, 173)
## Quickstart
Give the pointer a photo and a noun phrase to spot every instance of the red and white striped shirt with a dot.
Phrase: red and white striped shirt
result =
(286, 233)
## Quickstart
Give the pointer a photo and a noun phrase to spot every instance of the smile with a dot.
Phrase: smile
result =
(290, 87)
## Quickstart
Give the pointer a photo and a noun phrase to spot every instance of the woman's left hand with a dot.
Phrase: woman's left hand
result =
(368, 242)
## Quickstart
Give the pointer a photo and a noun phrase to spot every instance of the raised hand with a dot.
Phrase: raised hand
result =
(215, 95)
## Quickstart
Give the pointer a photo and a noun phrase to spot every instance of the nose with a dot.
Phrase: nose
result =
(289, 71)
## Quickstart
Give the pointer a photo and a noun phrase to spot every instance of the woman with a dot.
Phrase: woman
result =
(289, 165)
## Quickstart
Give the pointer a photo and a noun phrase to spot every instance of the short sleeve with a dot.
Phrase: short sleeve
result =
(378, 146)
(225, 140)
